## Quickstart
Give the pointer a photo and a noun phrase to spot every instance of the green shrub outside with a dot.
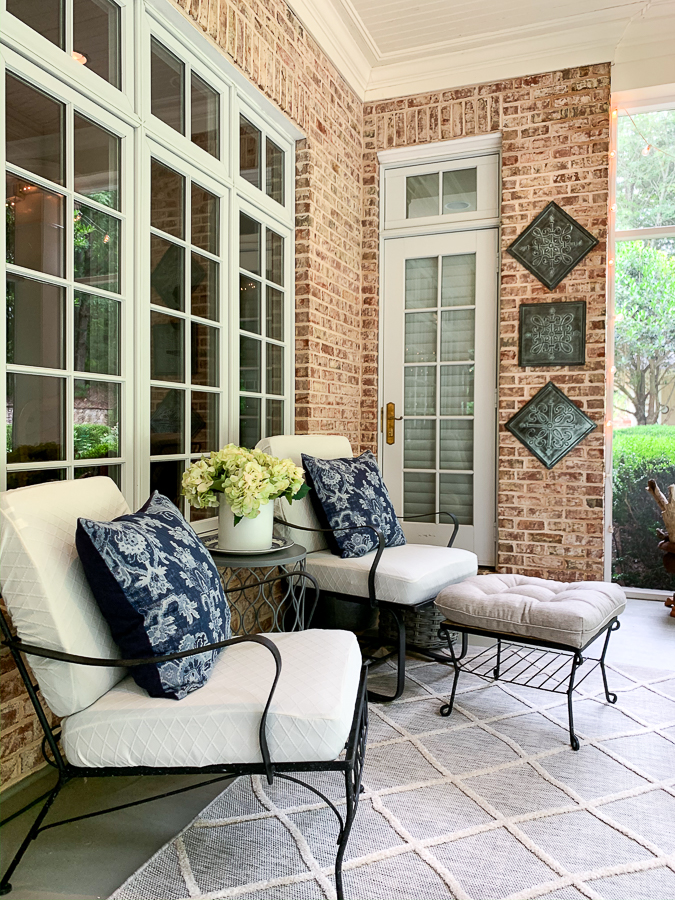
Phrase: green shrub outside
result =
(91, 441)
(639, 454)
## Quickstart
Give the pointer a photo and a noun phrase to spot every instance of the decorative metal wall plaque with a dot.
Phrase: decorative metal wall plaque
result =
(552, 245)
(550, 425)
(552, 334)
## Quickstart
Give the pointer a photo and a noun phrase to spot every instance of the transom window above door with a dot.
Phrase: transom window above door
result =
(261, 161)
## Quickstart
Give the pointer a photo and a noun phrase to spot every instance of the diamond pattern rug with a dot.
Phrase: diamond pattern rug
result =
(489, 803)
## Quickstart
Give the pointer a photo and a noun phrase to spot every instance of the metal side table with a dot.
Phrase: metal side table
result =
(282, 603)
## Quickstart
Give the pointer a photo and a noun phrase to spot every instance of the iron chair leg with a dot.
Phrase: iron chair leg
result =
(446, 708)
(611, 697)
(576, 662)
(373, 696)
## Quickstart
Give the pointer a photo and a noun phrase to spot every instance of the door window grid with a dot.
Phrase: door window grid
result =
(261, 161)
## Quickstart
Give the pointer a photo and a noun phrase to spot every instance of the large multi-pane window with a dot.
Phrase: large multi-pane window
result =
(147, 316)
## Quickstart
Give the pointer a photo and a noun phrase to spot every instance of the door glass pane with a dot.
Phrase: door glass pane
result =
(275, 257)
(249, 421)
(420, 337)
(205, 355)
(43, 16)
(96, 38)
(167, 275)
(458, 280)
(456, 390)
(97, 335)
(275, 369)
(97, 163)
(167, 344)
(96, 419)
(34, 476)
(421, 283)
(421, 195)
(35, 130)
(203, 422)
(34, 221)
(419, 495)
(420, 391)
(205, 208)
(166, 477)
(114, 472)
(456, 496)
(275, 314)
(274, 422)
(457, 444)
(167, 416)
(249, 152)
(96, 238)
(205, 118)
(249, 304)
(167, 87)
(35, 323)
(457, 335)
(275, 172)
(204, 287)
(419, 445)
(645, 183)
(167, 200)
(249, 244)
(249, 364)
(35, 418)
(459, 191)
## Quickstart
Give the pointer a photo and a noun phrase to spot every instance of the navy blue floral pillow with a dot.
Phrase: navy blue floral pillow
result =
(351, 492)
(159, 590)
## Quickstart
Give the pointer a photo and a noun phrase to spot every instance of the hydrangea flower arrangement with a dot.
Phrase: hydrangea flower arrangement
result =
(248, 479)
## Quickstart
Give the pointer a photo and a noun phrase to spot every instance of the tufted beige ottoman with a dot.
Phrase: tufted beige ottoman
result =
(541, 629)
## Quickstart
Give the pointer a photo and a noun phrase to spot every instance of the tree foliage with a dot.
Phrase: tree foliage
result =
(645, 185)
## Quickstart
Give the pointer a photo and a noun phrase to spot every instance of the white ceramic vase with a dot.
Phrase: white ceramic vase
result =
(247, 534)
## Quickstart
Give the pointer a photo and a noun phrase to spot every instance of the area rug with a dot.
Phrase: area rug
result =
(489, 803)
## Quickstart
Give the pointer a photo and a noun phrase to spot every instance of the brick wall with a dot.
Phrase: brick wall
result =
(555, 130)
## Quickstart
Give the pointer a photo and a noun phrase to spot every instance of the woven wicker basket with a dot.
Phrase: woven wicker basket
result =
(421, 627)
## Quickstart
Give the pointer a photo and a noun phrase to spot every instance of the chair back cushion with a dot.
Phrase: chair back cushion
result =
(160, 592)
(45, 588)
(301, 512)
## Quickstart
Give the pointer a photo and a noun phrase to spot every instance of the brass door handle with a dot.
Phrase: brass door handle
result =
(392, 418)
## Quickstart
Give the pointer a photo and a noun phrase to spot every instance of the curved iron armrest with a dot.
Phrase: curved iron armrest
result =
(378, 554)
(437, 513)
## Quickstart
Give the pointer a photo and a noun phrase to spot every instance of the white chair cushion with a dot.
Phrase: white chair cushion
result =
(533, 607)
(301, 512)
(309, 719)
(406, 575)
(46, 590)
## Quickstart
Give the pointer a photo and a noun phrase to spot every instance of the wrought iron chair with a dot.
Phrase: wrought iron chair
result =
(396, 579)
(259, 723)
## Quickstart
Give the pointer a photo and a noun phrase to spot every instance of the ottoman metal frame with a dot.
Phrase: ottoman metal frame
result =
(516, 659)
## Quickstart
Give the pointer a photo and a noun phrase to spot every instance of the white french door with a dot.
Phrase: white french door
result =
(439, 385)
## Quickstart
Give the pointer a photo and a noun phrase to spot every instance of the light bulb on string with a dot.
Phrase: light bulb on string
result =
(646, 150)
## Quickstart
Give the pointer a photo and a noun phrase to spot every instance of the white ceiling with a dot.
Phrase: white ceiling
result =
(389, 48)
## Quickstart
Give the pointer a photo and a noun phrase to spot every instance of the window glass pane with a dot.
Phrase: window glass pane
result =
(167, 417)
(97, 163)
(96, 38)
(114, 472)
(166, 477)
(34, 221)
(274, 417)
(249, 304)
(420, 391)
(456, 496)
(419, 444)
(35, 323)
(205, 355)
(204, 287)
(96, 238)
(249, 244)
(420, 337)
(43, 16)
(96, 419)
(35, 418)
(275, 172)
(456, 390)
(203, 422)
(458, 280)
(167, 345)
(96, 342)
(249, 364)
(167, 200)
(645, 182)
(204, 113)
(205, 208)
(275, 369)
(275, 257)
(167, 88)
(275, 314)
(457, 335)
(35, 130)
(34, 476)
(459, 191)
(249, 421)
(421, 283)
(167, 278)
(249, 152)
(456, 444)
(419, 494)
(421, 195)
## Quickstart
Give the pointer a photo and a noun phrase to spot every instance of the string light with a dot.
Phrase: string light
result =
(648, 148)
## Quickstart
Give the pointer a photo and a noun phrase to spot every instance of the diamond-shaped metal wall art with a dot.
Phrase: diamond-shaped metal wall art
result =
(552, 245)
(552, 334)
(550, 425)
